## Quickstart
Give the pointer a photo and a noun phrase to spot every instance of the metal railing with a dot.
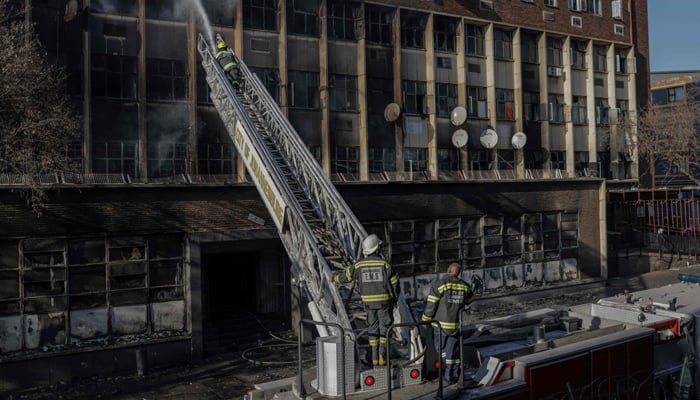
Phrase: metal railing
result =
(300, 377)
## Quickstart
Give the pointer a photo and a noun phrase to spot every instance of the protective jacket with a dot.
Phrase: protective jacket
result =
(226, 60)
(447, 297)
(376, 281)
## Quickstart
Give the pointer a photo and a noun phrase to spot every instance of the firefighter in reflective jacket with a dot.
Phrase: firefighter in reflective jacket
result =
(448, 296)
(228, 62)
(379, 289)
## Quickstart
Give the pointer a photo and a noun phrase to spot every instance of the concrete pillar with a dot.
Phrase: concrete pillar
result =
(518, 100)
(591, 106)
(361, 57)
(323, 89)
(142, 167)
(462, 89)
(87, 93)
(568, 101)
(398, 93)
(544, 99)
(491, 86)
(193, 154)
(430, 97)
(282, 55)
(238, 48)
(632, 111)
(193, 295)
(613, 140)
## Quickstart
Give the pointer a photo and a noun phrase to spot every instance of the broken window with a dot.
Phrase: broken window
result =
(345, 160)
(118, 157)
(415, 159)
(555, 56)
(476, 102)
(342, 19)
(167, 159)
(531, 106)
(448, 159)
(445, 98)
(270, 78)
(342, 92)
(579, 110)
(203, 89)
(557, 160)
(474, 39)
(87, 274)
(503, 44)
(166, 275)
(444, 29)
(578, 54)
(127, 271)
(44, 275)
(413, 29)
(167, 80)
(529, 47)
(215, 158)
(123, 7)
(414, 97)
(260, 14)
(302, 17)
(304, 89)
(9, 278)
(600, 58)
(504, 104)
(114, 76)
(378, 23)
(480, 159)
(381, 159)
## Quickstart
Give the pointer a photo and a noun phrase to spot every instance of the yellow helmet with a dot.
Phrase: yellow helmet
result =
(220, 45)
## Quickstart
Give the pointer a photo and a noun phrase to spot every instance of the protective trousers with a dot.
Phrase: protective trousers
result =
(378, 322)
(449, 350)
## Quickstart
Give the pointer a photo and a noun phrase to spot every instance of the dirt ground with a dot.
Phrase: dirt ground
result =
(228, 376)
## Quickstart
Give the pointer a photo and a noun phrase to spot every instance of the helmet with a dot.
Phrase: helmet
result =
(220, 44)
(371, 244)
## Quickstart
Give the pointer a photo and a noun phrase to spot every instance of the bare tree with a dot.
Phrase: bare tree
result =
(669, 133)
(37, 121)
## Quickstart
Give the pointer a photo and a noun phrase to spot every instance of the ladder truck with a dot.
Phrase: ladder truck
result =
(317, 228)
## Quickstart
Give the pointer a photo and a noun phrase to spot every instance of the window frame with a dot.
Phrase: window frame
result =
(474, 36)
(502, 44)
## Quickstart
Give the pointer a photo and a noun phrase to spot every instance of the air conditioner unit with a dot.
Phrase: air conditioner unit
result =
(554, 71)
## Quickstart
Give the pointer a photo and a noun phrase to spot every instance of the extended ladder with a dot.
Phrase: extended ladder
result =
(317, 228)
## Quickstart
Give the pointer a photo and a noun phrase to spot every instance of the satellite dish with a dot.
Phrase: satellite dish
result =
(460, 138)
(392, 112)
(489, 138)
(518, 140)
(458, 115)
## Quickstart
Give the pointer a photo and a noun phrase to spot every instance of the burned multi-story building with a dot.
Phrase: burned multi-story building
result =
(162, 236)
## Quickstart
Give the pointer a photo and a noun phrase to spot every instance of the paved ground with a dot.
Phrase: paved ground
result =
(228, 376)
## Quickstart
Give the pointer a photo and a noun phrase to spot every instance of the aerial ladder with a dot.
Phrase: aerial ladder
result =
(317, 228)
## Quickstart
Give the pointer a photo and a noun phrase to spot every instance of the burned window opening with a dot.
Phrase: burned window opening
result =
(260, 14)
(342, 20)
(413, 29)
(302, 17)
(378, 24)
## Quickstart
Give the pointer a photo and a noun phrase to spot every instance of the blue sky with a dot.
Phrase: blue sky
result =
(674, 37)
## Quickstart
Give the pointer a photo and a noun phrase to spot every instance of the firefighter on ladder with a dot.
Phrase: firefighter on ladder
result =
(447, 297)
(378, 284)
(228, 62)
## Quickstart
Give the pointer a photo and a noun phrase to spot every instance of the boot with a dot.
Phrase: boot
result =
(382, 361)
(375, 362)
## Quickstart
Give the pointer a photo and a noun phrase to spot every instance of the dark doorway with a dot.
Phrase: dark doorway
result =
(231, 284)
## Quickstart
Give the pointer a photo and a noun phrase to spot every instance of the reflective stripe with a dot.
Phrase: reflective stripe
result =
(451, 362)
(453, 286)
(373, 342)
(375, 297)
(229, 66)
(394, 280)
(433, 299)
(382, 340)
(348, 275)
(222, 52)
(448, 325)
(426, 318)
(371, 263)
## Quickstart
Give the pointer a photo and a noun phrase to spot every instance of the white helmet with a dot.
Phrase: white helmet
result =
(371, 244)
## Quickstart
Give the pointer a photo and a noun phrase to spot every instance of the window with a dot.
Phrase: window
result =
(531, 106)
(529, 48)
(556, 108)
(667, 95)
(345, 160)
(166, 159)
(506, 159)
(341, 20)
(270, 78)
(304, 89)
(600, 58)
(474, 35)
(620, 61)
(215, 159)
(503, 44)
(114, 76)
(167, 80)
(602, 112)
(302, 17)
(445, 98)
(595, 7)
(378, 23)
(579, 113)
(619, 29)
(414, 97)
(623, 107)
(550, 3)
(576, 21)
(554, 52)
(504, 104)
(486, 5)
(480, 160)
(115, 158)
(343, 92)
(557, 160)
(445, 33)
(381, 159)
(260, 14)
(413, 30)
(476, 102)
(44, 276)
(617, 9)
(415, 159)
(448, 159)
(578, 54)
(577, 5)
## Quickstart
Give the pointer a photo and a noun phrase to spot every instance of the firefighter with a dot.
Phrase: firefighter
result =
(228, 62)
(378, 284)
(447, 297)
